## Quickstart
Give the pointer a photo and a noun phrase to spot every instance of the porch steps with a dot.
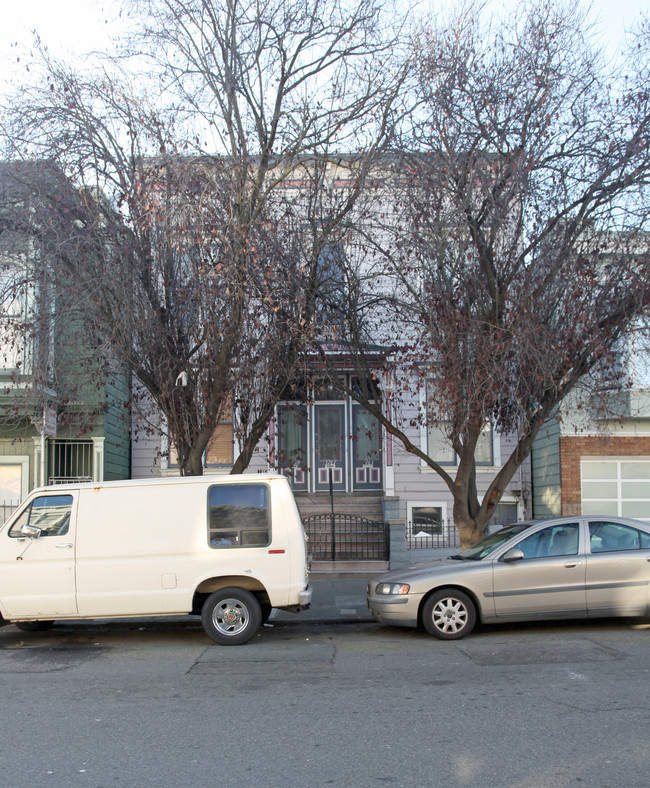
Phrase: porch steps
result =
(347, 567)
(355, 541)
(361, 504)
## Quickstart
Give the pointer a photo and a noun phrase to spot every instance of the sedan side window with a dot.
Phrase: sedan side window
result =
(50, 513)
(554, 540)
(605, 537)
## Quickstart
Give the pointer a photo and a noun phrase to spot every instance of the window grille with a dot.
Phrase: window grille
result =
(70, 461)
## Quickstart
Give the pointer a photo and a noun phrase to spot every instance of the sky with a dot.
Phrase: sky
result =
(69, 26)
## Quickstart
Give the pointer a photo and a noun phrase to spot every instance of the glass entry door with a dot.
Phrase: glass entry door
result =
(327, 436)
(292, 444)
(329, 445)
(366, 450)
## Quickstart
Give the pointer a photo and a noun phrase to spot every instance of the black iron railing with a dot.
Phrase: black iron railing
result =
(437, 533)
(7, 508)
(425, 536)
(346, 537)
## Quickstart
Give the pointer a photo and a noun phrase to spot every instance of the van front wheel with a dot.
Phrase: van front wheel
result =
(231, 616)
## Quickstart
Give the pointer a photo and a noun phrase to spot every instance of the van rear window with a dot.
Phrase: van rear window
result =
(238, 515)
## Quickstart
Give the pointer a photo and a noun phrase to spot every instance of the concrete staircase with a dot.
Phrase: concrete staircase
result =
(361, 504)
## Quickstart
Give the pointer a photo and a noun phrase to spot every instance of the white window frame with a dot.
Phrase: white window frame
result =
(14, 345)
(410, 505)
(638, 347)
(424, 440)
(496, 450)
(23, 461)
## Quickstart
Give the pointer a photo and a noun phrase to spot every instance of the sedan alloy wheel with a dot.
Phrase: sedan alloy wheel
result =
(449, 614)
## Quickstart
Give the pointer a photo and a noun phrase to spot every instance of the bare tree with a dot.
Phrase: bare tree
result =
(521, 256)
(195, 270)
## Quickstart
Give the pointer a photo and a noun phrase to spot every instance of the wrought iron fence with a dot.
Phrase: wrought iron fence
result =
(7, 508)
(427, 535)
(438, 533)
(346, 537)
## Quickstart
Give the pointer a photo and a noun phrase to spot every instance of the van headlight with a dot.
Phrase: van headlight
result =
(392, 588)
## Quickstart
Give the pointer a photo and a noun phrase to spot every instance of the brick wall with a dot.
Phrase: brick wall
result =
(573, 449)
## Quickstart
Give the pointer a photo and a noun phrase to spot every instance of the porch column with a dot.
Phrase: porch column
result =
(98, 459)
(39, 481)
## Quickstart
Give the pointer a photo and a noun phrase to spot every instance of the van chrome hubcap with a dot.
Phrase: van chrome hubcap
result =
(230, 616)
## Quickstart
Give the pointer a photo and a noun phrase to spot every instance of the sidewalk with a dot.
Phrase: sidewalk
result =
(337, 596)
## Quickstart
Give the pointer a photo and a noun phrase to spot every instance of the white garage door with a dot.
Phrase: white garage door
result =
(616, 487)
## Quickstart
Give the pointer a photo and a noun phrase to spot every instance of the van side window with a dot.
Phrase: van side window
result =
(50, 513)
(238, 515)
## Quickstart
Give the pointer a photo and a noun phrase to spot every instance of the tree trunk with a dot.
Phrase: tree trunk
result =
(470, 530)
(193, 465)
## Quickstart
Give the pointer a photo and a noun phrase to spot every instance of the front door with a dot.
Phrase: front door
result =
(38, 575)
(366, 450)
(329, 445)
(292, 444)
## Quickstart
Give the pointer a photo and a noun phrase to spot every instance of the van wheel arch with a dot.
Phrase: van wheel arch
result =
(213, 584)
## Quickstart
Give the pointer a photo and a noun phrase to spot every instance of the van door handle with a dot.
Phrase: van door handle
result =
(64, 546)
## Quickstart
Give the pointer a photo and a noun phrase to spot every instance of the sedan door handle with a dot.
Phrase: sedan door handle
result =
(572, 564)
(64, 546)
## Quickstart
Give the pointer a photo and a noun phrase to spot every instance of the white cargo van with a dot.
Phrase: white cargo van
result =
(227, 548)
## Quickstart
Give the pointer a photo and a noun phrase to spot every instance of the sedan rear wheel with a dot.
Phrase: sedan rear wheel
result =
(449, 614)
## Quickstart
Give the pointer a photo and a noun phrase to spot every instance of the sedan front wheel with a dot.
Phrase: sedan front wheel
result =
(449, 614)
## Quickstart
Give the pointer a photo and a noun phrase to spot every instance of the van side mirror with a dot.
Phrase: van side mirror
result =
(514, 554)
(30, 531)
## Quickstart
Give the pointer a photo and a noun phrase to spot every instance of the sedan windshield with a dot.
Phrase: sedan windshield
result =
(488, 545)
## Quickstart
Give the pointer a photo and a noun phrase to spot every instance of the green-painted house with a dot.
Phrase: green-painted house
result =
(64, 411)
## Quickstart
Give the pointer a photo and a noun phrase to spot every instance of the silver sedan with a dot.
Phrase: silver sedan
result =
(572, 567)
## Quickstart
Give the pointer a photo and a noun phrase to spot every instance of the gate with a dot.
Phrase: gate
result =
(345, 537)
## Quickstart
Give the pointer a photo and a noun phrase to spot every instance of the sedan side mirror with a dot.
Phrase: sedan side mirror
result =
(514, 554)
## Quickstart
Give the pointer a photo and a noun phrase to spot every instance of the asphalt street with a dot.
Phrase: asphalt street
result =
(325, 698)
(336, 597)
